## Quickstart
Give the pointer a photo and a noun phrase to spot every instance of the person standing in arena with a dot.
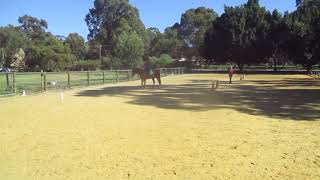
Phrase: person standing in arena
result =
(230, 72)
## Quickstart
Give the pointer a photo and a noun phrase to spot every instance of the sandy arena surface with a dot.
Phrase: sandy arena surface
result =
(265, 127)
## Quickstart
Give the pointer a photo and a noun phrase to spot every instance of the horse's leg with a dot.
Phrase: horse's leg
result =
(141, 82)
(144, 83)
(153, 82)
(159, 80)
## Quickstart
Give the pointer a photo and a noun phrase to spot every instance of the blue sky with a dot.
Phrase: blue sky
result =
(66, 16)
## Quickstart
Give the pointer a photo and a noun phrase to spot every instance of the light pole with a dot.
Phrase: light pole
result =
(100, 50)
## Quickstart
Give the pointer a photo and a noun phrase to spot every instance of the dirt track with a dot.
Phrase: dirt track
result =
(266, 127)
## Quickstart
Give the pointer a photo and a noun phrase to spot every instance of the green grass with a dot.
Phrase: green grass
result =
(31, 82)
(4, 89)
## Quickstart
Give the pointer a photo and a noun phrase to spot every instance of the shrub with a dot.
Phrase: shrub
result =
(86, 65)
(111, 63)
(163, 61)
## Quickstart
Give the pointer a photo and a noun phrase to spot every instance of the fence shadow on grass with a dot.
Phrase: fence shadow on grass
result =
(278, 99)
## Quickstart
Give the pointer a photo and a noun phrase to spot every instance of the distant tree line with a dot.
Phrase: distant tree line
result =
(249, 34)
(243, 35)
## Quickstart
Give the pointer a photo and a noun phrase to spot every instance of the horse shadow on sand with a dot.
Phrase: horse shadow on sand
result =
(284, 99)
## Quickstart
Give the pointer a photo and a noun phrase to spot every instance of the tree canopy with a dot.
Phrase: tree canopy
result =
(77, 45)
(111, 22)
(194, 24)
(238, 35)
(249, 34)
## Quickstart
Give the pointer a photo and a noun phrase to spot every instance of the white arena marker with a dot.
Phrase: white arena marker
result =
(23, 93)
(61, 95)
(215, 85)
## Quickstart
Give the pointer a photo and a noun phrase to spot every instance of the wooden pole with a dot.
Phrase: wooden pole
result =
(103, 76)
(88, 78)
(14, 82)
(41, 80)
(44, 81)
(128, 76)
(69, 84)
(7, 78)
(117, 76)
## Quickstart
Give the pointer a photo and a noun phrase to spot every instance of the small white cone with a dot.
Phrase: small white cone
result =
(61, 96)
(23, 93)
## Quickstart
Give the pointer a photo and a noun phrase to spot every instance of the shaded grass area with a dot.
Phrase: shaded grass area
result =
(285, 99)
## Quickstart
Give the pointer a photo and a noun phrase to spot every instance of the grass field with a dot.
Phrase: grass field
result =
(265, 127)
(31, 82)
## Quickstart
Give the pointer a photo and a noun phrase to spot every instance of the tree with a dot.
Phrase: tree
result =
(194, 24)
(277, 38)
(298, 2)
(11, 40)
(3, 43)
(77, 45)
(316, 36)
(44, 51)
(105, 18)
(152, 34)
(192, 28)
(303, 45)
(160, 62)
(49, 55)
(217, 42)
(167, 43)
(32, 23)
(110, 22)
(129, 49)
(239, 35)
(33, 27)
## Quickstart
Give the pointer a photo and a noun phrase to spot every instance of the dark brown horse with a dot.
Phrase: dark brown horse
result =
(143, 76)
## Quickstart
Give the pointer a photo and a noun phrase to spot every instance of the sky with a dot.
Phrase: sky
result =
(67, 16)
